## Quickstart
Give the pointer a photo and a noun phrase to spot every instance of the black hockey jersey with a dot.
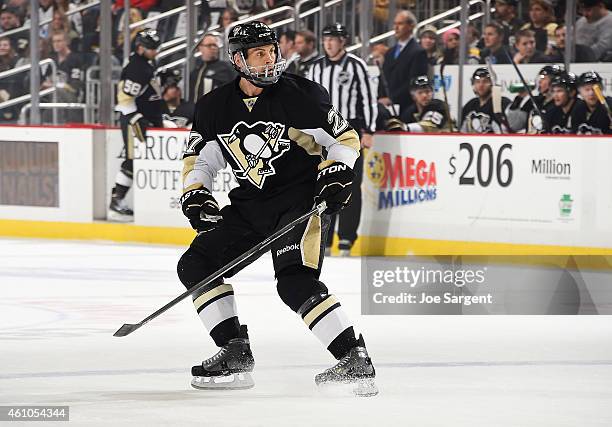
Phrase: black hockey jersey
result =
(273, 142)
(587, 122)
(478, 118)
(557, 121)
(181, 116)
(139, 90)
(433, 118)
(70, 72)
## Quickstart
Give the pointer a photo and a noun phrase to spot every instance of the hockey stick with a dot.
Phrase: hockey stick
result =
(451, 126)
(496, 96)
(128, 328)
(525, 85)
(602, 100)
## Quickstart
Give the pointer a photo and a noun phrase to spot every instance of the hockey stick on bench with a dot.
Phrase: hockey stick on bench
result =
(128, 328)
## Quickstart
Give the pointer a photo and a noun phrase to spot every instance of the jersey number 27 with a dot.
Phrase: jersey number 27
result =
(338, 123)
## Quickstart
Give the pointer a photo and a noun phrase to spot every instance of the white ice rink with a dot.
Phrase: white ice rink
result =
(60, 303)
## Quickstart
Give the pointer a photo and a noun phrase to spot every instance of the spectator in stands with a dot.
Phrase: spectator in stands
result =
(209, 72)
(305, 46)
(450, 55)
(45, 12)
(473, 37)
(377, 53)
(135, 16)
(494, 49)
(506, 15)
(70, 80)
(542, 23)
(286, 43)
(594, 29)
(75, 19)
(428, 38)
(228, 16)
(11, 18)
(10, 87)
(451, 46)
(557, 53)
(526, 52)
(404, 61)
(60, 23)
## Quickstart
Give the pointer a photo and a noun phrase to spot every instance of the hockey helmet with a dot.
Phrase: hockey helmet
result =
(551, 70)
(335, 30)
(148, 38)
(481, 73)
(247, 36)
(590, 77)
(420, 82)
(565, 80)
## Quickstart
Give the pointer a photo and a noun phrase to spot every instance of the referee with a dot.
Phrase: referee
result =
(345, 77)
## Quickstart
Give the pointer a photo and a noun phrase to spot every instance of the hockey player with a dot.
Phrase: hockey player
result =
(271, 129)
(522, 115)
(591, 117)
(426, 114)
(140, 104)
(558, 119)
(478, 115)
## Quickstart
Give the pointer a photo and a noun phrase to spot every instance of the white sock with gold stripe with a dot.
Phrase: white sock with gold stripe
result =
(324, 317)
(215, 304)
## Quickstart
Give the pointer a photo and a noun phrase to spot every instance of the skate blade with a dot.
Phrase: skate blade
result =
(365, 387)
(117, 217)
(241, 381)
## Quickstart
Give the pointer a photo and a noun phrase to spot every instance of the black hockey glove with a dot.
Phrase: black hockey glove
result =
(139, 125)
(202, 210)
(333, 186)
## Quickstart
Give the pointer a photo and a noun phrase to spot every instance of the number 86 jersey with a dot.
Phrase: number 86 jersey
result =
(273, 142)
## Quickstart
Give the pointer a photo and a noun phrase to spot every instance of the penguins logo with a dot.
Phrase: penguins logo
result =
(585, 129)
(254, 148)
(479, 122)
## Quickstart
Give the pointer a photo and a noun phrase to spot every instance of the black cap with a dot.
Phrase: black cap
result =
(335, 30)
(148, 38)
(481, 73)
(590, 77)
(565, 80)
(420, 82)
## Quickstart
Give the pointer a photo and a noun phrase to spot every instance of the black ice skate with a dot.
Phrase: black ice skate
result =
(355, 369)
(229, 369)
(118, 211)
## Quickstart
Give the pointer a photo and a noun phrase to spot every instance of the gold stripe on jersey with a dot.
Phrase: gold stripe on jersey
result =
(306, 141)
(310, 245)
(203, 299)
(319, 309)
(325, 163)
(350, 138)
(188, 166)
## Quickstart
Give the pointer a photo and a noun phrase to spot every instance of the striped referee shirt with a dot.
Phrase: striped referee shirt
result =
(349, 88)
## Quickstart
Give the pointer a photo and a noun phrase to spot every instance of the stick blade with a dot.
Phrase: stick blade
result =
(126, 329)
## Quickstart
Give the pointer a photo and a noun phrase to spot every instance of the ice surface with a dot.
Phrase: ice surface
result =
(62, 301)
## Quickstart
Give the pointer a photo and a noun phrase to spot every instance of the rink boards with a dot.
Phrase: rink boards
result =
(422, 193)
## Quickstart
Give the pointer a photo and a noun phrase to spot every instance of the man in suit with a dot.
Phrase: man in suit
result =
(404, 61)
